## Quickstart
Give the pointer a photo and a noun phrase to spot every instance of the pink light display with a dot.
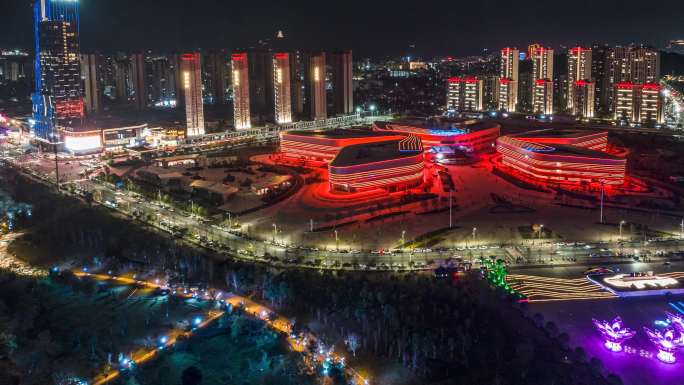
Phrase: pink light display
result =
(667, 341)
(614, 333)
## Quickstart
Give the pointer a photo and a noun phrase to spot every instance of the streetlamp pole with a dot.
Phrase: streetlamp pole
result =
(337, 241)
(403, 239)
(450, 210)
(474, 233)
(56, 166)
(621, 224)
(275, 230)
(602, 199)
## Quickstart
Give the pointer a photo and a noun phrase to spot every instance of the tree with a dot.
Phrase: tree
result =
(191, 376)
(353, 342)
(614, 379)
(8, 343)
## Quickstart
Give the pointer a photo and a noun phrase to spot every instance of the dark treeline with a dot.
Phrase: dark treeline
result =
(442, 332)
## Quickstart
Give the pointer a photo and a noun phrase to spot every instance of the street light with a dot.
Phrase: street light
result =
(541, 231)
(621, 224)
(337, 241)
(275, 231)
(474, 233)
(403, 239)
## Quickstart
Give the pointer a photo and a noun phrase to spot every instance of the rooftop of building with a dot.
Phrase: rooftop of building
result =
(566, 150)
(374, 152)
(160, 172)
(557, 133)
(215, 187)
(559, 149)
(450, 126)
(338, 133)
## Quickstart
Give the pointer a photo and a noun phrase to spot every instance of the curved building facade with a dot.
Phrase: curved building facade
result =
(468, 135)
(324, 145)
(568, 157)
(391, 165)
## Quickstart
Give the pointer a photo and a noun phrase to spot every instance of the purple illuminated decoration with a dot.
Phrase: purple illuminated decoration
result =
(614, 333)
(676, 320)
(668, 341)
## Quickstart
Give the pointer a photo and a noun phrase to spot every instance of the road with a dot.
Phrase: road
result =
(300, 343)
(267, 249)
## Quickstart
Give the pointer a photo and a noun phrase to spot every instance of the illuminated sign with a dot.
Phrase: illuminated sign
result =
(640, 282)
(82, 143)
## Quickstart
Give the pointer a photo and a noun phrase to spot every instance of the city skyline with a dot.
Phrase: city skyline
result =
(416, 30)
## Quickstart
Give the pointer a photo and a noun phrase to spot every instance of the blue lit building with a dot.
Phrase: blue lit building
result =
(58, 96)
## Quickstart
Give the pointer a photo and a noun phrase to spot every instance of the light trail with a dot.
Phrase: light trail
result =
(272, 319)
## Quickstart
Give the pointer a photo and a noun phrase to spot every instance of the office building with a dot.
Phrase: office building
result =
(91, 83)
(584, 99)
(599, 75)
(191, 69)
(542, 80)
(58, 96)
(542, 64)
(491, 87)
(510, 58)
(644, 65)
(139, 80)
(638, 103)
(650, 104)
(282, 92)
(343, 87)
(316, 101)
(176, 61)
(542, 96)
(241, 91)
(634, 65)
(160, 80)
(465, 94)
(579, 69)
(216, 70)
(508, 94)
(525, 84)
(260, 73)
(532, 49)
(507, 87)
(625, 99)
(14, 65)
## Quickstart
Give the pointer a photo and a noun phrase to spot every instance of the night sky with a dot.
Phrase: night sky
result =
(370, 27)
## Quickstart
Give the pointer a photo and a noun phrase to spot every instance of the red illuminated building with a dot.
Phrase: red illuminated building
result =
(323, 146)
(392, 165)
(465, 135)
(562, 157)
